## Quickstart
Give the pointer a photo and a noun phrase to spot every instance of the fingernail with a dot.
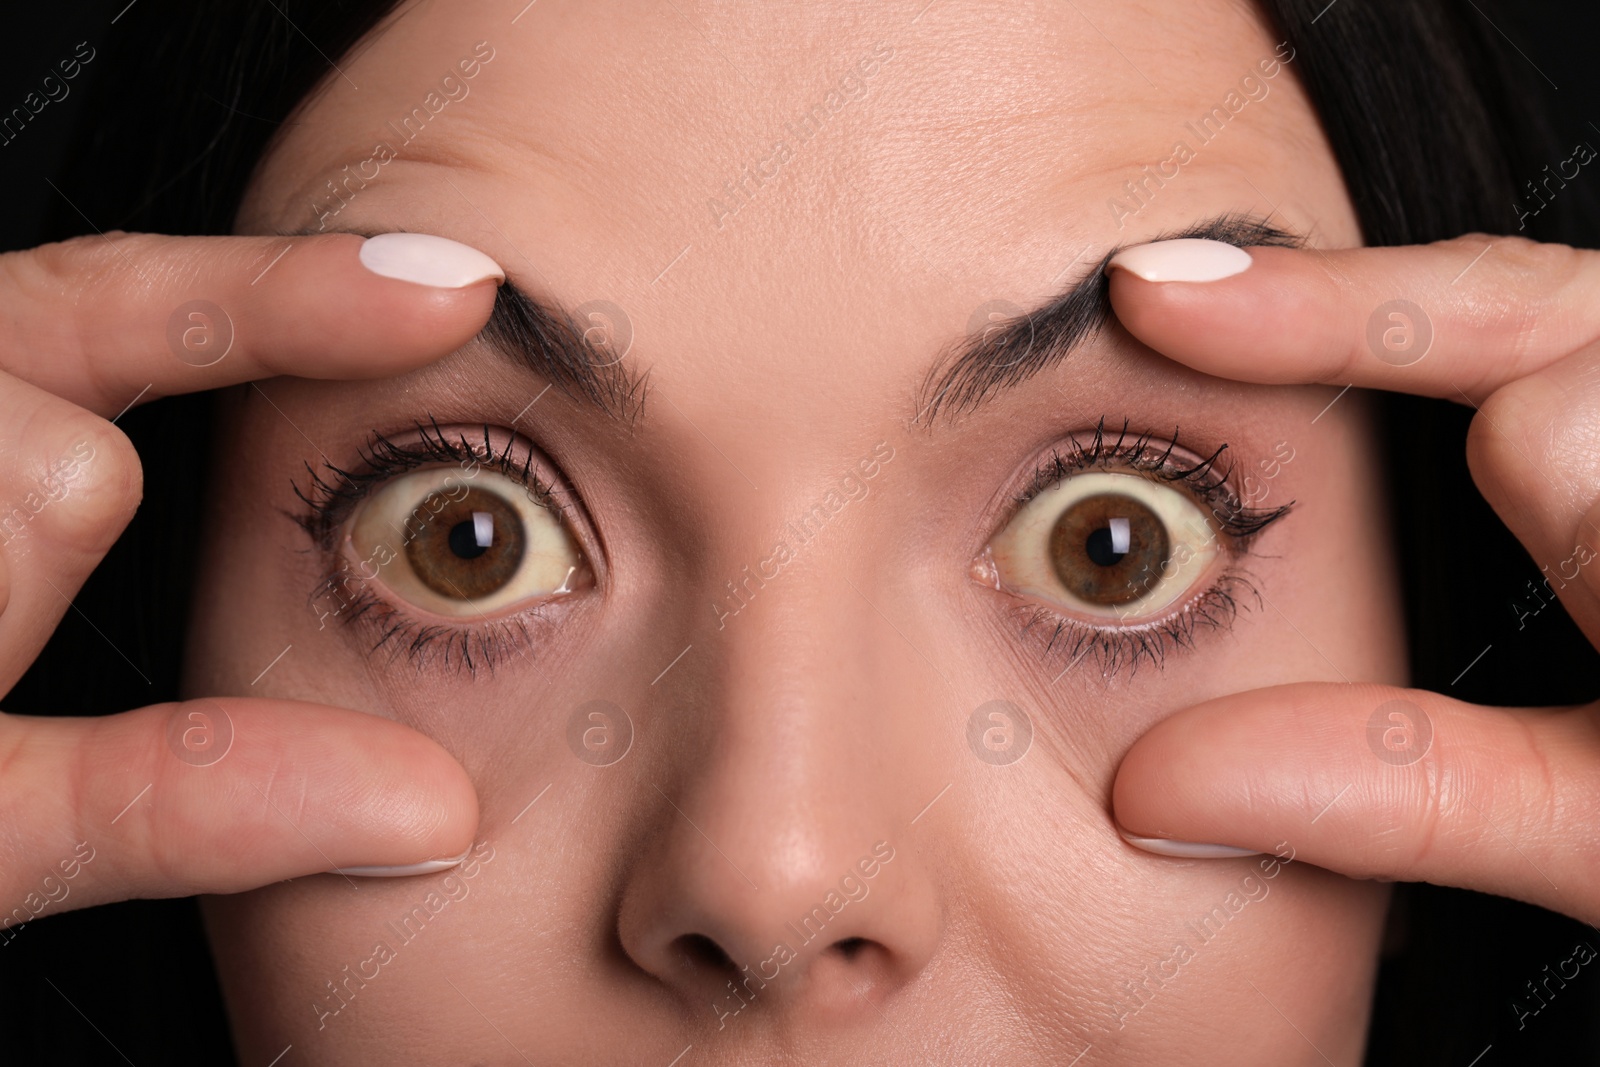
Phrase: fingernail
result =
(406, 871)
(1187, 259)
(428, 260)
(1186, 850)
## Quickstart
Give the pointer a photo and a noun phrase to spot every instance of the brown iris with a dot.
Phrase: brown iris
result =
(1108, 549)
(470, 548)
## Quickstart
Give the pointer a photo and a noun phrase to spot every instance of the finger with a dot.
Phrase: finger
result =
(1455, 319)
(1534, 455)
(1377, 782)
(220, 796)
(100, 320)
(69, 483)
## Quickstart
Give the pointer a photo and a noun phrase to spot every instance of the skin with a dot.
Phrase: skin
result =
(1012, 922)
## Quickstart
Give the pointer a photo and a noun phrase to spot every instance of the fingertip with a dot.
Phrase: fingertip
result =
(1184, 259)
(368, 792)
(366, 307)
(428, 260)
(422, 800)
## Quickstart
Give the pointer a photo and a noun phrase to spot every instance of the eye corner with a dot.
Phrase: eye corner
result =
(1246, 524)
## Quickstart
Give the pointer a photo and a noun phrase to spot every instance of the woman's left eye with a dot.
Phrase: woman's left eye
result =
(463, 547)
(1106, 546)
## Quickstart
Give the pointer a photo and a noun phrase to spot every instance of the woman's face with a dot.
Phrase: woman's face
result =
(793, 730)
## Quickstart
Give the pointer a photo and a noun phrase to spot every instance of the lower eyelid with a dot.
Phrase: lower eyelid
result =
(1065, 645)
(378, 625)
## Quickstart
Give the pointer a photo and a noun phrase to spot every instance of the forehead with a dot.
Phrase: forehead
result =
(788, 194)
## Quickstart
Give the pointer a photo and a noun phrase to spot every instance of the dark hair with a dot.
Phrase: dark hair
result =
(1434, 123)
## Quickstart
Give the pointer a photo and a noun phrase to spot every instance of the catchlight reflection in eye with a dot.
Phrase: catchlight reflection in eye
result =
(464, 547)
(1104, 545)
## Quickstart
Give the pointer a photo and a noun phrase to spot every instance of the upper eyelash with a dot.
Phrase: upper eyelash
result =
(1147, 455)
(328, 502)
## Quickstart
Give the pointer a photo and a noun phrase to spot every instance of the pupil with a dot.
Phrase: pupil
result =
(1099, 547)
(464, 540)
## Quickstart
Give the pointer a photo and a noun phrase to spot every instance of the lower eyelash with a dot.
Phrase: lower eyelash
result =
(483, 644)
(1067, 641)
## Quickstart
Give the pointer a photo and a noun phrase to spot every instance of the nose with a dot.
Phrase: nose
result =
(781, 876)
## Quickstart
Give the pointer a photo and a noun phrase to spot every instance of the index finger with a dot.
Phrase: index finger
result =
(100, 320)
(1454, 319)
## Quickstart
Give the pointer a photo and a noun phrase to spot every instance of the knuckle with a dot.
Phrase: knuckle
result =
(1447, 825)
(1468, 808)
(85, 283)
(1570, 800)
(1535, 294)
(175, 844)
(95, 477)
(78, 267)
(1539, 799)
(1422, 844)
(1505, 436)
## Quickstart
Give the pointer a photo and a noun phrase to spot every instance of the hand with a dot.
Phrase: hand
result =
(204, 796)
(1502, 800)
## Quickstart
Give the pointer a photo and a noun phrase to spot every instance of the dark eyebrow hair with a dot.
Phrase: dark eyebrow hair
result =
(981, 366)
(584, 359)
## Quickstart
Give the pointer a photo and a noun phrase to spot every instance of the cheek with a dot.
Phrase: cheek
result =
(1335, 600)
(337, 972)
(1138, 955)
(1098, 934)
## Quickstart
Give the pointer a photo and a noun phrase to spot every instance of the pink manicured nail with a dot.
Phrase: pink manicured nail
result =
(406, 871)
(1187, 259)
(1186, 850)
(428, 260)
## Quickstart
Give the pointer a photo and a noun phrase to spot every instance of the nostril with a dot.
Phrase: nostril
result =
(850, 947)
(699, 952)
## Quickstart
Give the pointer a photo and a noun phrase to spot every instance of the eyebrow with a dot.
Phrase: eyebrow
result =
(579, 357)
(977, 369)
(583, 359)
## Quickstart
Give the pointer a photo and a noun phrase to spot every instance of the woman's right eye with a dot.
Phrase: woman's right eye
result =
(463, 546)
